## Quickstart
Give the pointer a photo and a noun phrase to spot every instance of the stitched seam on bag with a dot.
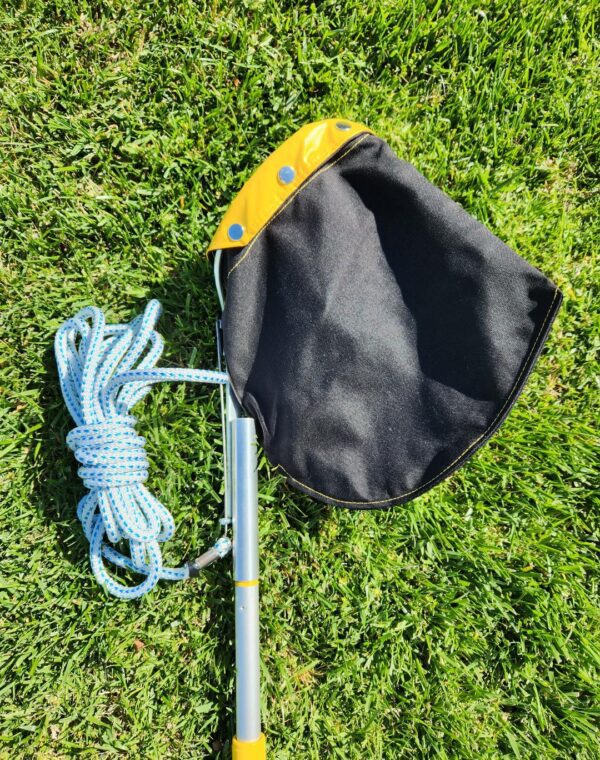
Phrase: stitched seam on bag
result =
(320, 171)
(466, 451)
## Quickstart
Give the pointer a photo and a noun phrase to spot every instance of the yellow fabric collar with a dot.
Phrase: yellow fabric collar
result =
(279, 176)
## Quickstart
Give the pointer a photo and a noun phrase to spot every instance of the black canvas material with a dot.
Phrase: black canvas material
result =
(377, 332)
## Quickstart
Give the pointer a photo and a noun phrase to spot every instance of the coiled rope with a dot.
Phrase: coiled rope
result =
(104, 370)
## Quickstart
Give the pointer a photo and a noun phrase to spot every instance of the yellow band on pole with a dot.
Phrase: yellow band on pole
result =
(256, 750)
(246, 584)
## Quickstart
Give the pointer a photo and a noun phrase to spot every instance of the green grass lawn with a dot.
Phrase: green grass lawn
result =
(464, 624)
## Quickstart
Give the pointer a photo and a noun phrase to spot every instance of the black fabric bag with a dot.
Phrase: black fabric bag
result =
(377, 332)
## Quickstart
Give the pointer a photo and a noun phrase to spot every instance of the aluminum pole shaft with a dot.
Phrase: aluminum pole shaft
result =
(245, 559)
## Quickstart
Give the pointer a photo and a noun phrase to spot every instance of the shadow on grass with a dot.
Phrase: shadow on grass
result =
(305, 514)
(58, 487)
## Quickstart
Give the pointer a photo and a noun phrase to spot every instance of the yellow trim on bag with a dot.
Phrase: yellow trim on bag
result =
(326, 167)
(264, 192)
(256, 750)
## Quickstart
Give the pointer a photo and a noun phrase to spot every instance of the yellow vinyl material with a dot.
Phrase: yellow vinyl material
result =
(265, 192)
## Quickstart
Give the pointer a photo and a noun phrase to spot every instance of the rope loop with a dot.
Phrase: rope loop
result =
(111, 454)
(104, 370)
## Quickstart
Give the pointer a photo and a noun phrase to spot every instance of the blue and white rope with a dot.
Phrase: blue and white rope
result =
(104, 371)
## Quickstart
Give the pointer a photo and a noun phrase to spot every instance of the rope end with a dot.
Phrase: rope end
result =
(221, 549)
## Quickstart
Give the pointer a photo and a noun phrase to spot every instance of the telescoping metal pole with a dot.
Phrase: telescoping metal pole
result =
(241, 509)
(249, 742)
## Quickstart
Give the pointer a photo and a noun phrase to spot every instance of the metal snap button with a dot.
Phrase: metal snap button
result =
(235, 232)
(286, 174)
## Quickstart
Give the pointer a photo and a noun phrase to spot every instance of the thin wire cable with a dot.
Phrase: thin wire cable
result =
(104, 370)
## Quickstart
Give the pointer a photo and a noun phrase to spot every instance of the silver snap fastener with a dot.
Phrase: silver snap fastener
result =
(235, 232)
(343, 126)
(286, 174)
